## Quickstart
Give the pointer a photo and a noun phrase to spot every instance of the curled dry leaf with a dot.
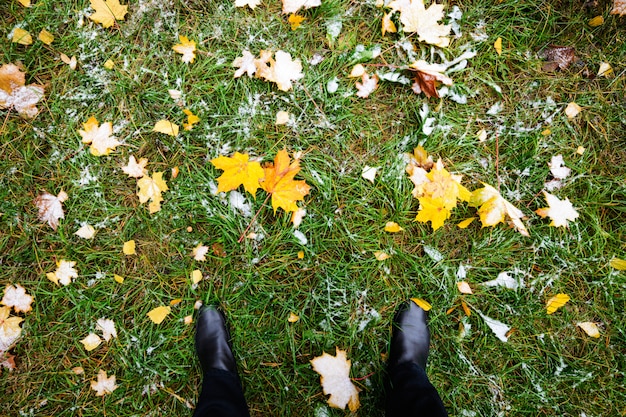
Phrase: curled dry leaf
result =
(16, 297)
(619, 7)
(335, 380)
(557, 57)
(427, 76)
(14, 94)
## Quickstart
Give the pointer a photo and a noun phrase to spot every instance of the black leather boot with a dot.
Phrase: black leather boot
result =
(410, 339)
(213, 341)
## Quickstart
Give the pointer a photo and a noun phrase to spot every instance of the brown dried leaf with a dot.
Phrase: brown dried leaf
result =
(558, 57)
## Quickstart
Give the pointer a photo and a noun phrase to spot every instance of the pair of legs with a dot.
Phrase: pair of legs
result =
(409, 392)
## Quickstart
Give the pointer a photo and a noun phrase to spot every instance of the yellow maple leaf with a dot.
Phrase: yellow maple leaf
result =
(416, 18)
(15, 95)
(335, 379)
(388, 25)
(432, 210)
(10, 329)
(295, 20)
(187, 48)
(556, 302)
(158, 314)
(559, 211)
(238, 170)
(99, 137)
(279, 182)
(107, 12)
(150, 188)
(493, 209)
(167, 127)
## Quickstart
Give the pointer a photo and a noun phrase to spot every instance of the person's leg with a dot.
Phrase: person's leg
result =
(222, 394)
(409, 392)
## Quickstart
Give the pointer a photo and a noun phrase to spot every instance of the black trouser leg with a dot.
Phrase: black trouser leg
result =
(411, 394)
(221, 396)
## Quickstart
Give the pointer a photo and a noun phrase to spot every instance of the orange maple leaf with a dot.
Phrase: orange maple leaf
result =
(279, 182)
(238, 170)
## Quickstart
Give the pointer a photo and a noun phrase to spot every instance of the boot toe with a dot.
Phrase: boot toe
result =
(213, 341)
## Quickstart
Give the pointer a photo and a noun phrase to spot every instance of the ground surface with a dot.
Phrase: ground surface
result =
(342, 294)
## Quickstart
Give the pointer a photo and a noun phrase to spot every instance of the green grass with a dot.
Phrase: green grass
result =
(548, 366)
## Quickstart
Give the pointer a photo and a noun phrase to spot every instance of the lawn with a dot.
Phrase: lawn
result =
(501, 123)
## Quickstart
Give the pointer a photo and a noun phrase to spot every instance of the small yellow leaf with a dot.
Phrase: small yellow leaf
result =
(188, 320)
(72, 62)
(196, 276)
(192, 119)
(282, 117)
(301, 254)
(464, 287)
(293, 318)
(572, 110)
(381, 256)
(481, 135)
(157, 315)
(78, 370)
(109, 64)
(546, 132)
(590, 328)
(107, 12)
(187, 48)
(605, 70)
(465, 223)
(25, 3)
(393, 227)
(46, 37)
(596, 21)
(357, 71)
(91, 342)
(388, 25)
(129, 248)
(423, 304)
(619, 264)
(22, 37)
(295, 21)
(167, 127)
(580, 150)
(556, 302)
(176, 301)
(118, 278)
(466, 309)
(497, 45)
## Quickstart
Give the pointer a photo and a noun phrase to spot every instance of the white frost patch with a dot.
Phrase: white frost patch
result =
(560, 368)
(480, 34)
(86, 177)
(497, 327)
(238, 202)
(461, 273)
(301, 237)
(433, 253)
(464, 412)
(558, 168)
(332, 85)
(505, 280)
(333, 27)
(495, 109)
(455, 15)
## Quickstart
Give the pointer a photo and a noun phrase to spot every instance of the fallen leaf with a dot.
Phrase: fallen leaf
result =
(572, 110)
(78, 370)
(466, 309)
(167, 127)
(16, 297)
(558, 168)
(51, 208)
(199, 252)
(590, 328)
(129, 247)
(427, 76)
(580, 150)
(86, 231)
(7, 360)
(619, 264)
(282, 117)
(187, 48)
(176, 301)
(279, 182)
(558, 57)
(497, 45)
(335, 380)
(72, 62)
(46, 37)
(423, 304)
(293, 318)
(357, 71)
(15, 95)
(192, 119)
(559, 211)
(596, 21)
(556, 302)
(107, 12)
(295, 21)
(393, 227)
(10, 329)
(250, 3)
(25, 3)
(300, 254)
(107, 327)
(91, 342)
(99, 137)
(369, 173)
(118, 278)
(381, 256)
(246, 64)
(420, 158)
(464, 287)
(136, 169)
(605, 70)
(103, 385)
(494, 209)
(388, 25)
(367, 85)
(64, 273)
(157, 315)
(22, 37)
(196, 276)
(188, 320)
(150, 188)
(619, 7)
(465, 223)
(416, 18)
(108, 64)
(504, 280)
(292, 6)
(298, 216)
(282, 70)
(238, 170)
(498, 328)
(432, 210)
